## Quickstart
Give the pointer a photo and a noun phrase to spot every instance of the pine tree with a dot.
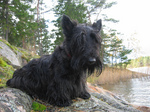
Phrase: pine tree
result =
(124, 61)
(15, 21)
(19, 25)
(4, 19)
(95, 8)
(113, 51)
(104, 48)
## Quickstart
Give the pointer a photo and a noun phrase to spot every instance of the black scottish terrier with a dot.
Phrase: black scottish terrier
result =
(60, 77)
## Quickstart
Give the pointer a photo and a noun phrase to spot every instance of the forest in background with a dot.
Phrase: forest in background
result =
(139, 62)
(23, 25)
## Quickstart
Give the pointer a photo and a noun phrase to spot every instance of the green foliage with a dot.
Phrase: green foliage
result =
(124, 61)
(95, 7)
(24, 24)
(6, 71)
(38, 107)
(14, 19)
(113, 51)
(3, 63)
(19, 25)
(43, 39)
(104, 48)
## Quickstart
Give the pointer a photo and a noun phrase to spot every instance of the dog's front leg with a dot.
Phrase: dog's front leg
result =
(84, 94)
(58, 94)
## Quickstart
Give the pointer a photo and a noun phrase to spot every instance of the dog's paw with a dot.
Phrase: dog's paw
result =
(85, 95)
(64, 103)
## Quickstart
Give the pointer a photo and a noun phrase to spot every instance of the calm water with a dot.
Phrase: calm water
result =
(135, 91)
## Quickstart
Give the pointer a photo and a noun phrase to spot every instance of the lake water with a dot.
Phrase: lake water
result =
(135, 91)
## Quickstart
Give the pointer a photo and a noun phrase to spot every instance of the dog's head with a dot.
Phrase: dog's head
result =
(83, 44)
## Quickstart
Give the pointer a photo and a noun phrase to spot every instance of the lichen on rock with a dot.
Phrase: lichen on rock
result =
(14, 100)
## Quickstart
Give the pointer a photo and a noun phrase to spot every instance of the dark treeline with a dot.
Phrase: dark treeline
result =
(22, 24)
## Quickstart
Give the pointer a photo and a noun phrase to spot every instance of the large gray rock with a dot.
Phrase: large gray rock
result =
(7, 52)
(14, 100)
(101, 101)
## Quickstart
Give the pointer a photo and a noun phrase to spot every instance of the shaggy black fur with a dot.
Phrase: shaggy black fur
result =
(60, 77)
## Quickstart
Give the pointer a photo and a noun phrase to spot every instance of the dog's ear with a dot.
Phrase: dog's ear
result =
(67, 25)
(97, 25)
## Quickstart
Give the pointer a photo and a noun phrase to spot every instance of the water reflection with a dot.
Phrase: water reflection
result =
(135, 91)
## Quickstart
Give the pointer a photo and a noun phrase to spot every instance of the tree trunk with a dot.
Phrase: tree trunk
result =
(14, 100)
(7, 29)
(3, 18)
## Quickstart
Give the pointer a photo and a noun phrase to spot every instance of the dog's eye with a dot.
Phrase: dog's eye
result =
(83, 34)
(93, 36)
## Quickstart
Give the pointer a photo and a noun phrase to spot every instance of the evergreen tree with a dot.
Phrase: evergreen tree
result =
(95, 8)
(43, 39)
(15, 21)
(113, 51)
(19, 25)
(115, 47)
(104, 48)
(4, 18)
(124, 61)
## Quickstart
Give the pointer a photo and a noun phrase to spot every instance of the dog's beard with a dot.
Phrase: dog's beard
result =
(95, 68)
(80, 64)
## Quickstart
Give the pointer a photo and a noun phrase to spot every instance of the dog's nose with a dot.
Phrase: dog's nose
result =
(92, 60)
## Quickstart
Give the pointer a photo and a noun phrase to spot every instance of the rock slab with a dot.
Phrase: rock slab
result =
(7, 52)
(101, 101)
(14, 100)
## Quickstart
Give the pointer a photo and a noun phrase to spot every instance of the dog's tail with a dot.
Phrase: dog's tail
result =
(8, 83)
(15, 82)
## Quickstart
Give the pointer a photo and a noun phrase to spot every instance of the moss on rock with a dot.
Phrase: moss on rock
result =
(6, 71)
(6, 67)
(24, 53)
(38, 107)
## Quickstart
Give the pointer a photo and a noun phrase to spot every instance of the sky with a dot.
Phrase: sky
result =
(134, 22)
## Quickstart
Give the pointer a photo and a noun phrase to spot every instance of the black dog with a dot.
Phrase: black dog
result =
(60, 77)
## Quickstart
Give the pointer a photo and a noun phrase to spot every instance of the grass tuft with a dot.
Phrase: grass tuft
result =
(38, 107)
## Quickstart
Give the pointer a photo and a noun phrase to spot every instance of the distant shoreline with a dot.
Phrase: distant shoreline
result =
(144, 70)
